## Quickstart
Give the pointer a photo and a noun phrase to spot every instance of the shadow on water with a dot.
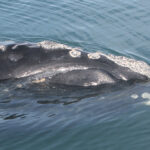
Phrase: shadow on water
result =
(19, 98)
(42, 93)
(43, 115)
(45, 93)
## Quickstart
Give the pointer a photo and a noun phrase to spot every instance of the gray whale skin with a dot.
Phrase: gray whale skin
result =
(60, 64)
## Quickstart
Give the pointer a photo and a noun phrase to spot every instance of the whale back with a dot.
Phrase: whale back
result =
(66, 65)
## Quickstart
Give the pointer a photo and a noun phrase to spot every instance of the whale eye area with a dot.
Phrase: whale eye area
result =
(14, 57)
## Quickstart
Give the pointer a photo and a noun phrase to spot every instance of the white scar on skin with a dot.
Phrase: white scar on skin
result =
(15, 46)
(90, 84)
(123, 77)
(29, 73)
(64, 69)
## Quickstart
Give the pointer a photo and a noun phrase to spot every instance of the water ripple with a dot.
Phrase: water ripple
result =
(76, 119)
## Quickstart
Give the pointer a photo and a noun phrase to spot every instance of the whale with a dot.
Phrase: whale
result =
(56, 63)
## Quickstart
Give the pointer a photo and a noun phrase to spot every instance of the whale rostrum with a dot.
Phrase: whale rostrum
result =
(57, 63)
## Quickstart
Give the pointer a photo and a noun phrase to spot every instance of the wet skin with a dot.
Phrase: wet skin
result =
(59, 64)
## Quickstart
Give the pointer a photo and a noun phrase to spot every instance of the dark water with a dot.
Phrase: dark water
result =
(44, 118)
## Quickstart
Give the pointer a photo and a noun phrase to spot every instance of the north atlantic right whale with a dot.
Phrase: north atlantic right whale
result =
(56, 63)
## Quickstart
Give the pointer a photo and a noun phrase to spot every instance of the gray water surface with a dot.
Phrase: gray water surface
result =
(58, 118)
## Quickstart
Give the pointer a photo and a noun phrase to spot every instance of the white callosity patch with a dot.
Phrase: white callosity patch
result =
(146, 96)
(134, 65)
(2, 48)
(134, 96)
(52, 45)
(96, 55)
(74, 53)
(49, 45)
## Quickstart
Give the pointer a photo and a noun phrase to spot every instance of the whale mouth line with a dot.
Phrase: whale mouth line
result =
(49, 71)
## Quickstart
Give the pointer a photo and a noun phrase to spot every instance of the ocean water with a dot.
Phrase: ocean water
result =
(43, 118)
